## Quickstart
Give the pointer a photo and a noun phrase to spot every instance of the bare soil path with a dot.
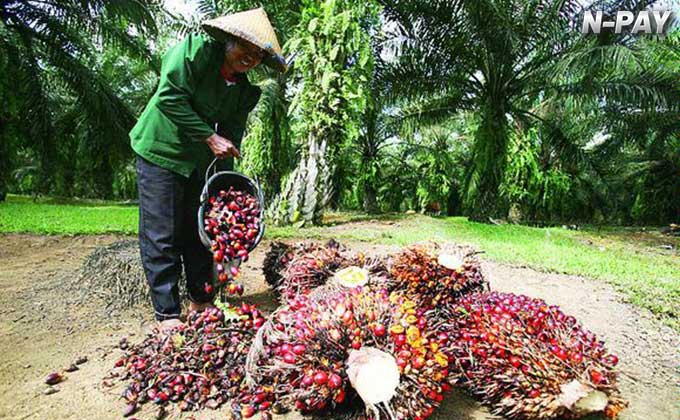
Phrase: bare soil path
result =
(42, 330)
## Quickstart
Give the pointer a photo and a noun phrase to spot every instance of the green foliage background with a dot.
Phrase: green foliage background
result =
(489, 109)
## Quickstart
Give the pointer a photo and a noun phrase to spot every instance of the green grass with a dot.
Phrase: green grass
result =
(22, 214)
(627, 258)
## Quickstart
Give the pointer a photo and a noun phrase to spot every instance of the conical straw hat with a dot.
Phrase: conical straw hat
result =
(253, 26)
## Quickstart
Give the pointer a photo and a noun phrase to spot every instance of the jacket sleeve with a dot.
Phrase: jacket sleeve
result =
(181, 68)
(234, 128)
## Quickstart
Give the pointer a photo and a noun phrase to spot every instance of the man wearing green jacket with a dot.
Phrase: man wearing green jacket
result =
(198, 112)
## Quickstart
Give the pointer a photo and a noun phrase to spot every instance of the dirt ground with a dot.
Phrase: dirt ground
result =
(43, 329)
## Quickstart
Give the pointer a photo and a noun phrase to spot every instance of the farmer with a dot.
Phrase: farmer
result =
(198, 112)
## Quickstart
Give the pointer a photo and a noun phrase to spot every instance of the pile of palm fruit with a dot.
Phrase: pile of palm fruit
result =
(350, 350)
(200, 365)
(518, 355)
(295, 270)
(369, 337)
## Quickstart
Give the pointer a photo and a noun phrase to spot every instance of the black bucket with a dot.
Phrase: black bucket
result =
(223, 180)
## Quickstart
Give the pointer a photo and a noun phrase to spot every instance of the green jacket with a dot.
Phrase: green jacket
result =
(191, 99)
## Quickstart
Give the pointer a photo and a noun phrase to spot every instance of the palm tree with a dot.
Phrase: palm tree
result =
(499, 58)
(373, 138)
(50, 53)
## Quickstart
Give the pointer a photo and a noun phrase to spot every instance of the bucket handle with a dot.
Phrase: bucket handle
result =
(204, 195)
(207, 171)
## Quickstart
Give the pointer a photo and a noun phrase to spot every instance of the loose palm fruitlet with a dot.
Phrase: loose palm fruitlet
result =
(526, 359)
(358, 352)
(232, 223)
(434, 276)
(200, 365)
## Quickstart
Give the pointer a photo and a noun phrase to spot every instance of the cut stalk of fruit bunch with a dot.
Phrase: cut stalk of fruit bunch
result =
(434, 275)
(346, 350)
(233, 223)
(352, 276)
(527, 359)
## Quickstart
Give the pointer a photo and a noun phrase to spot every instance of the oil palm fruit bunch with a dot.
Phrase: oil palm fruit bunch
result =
(276, 259)
(298, 269)
(526, 359)
(434, 276)
(281, 256)
(200, 364)
(232, 222)
(357, 351)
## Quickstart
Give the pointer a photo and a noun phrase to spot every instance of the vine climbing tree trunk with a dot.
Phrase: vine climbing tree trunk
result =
(309, 188)
(335, 66)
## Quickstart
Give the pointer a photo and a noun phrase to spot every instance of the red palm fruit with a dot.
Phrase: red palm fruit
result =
(54, 378)
(596, 377)
(320, 378)
(225, 219)
(340, 397)
(611, 360)
(307, 381)
(248, 411)
(334, 381)
(218, 256)
(379, 330)
(547, 375)
(418, 362)
(289, 357)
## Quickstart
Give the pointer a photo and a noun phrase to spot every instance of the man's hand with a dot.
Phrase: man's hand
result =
(221, 147)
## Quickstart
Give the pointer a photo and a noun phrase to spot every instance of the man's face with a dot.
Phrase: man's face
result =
(243, 56)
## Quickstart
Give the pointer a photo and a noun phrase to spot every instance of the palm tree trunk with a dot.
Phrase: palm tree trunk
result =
(308, 189)
(453, 203)
(370, 198)
(488, 165)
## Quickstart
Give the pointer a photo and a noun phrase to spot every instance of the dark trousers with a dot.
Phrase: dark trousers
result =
(168, 237)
